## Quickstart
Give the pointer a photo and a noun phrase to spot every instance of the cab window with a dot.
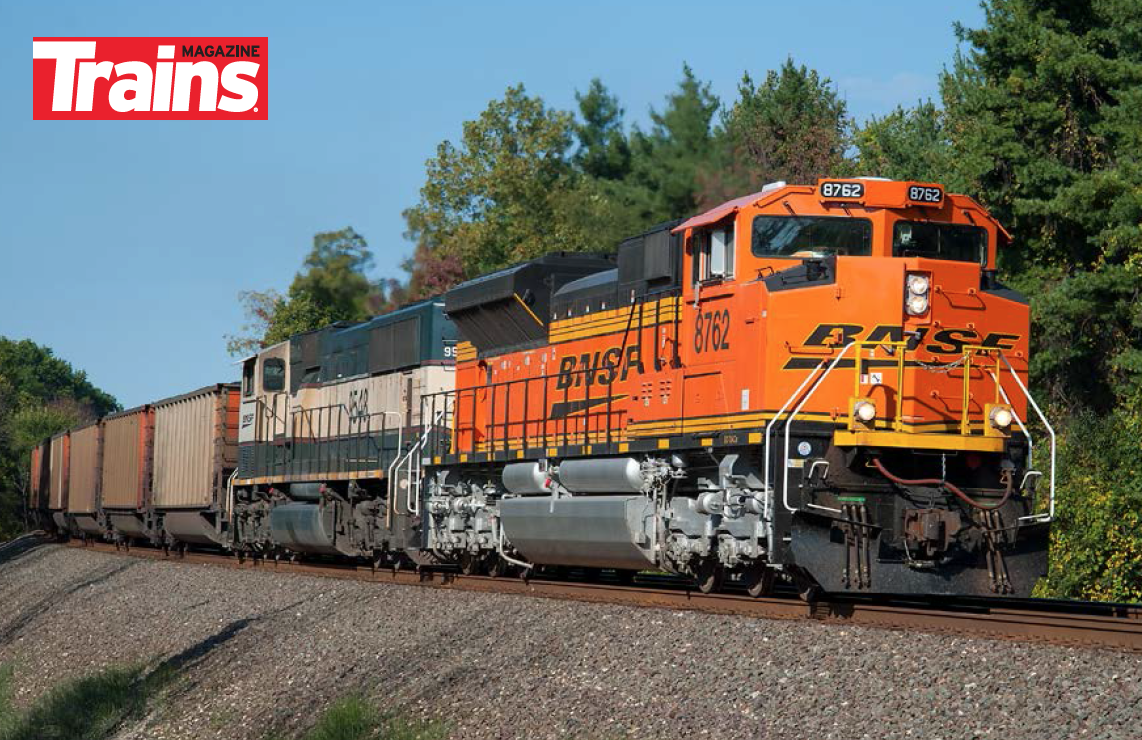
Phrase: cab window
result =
(273, 375)
(714, 253)
(958, 242)
(804, 237)
(248, 378)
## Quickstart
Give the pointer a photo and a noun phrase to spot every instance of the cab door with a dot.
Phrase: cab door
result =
(711, 326)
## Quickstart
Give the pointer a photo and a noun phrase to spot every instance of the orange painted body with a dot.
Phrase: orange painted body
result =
(711, 363)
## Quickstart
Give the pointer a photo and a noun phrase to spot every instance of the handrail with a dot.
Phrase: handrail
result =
(773, 422)
(1050, 515)
(789, 424)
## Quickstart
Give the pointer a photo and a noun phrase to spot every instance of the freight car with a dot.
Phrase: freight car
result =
(824, 383)
(821, 381)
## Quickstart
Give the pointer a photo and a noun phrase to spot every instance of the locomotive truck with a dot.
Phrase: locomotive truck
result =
(821, 383)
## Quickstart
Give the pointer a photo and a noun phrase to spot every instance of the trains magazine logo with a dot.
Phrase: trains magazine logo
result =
(173, 78)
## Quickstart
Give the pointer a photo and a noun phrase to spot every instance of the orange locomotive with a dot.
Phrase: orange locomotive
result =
(822, 381)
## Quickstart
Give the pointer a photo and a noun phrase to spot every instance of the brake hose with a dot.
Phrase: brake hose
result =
(944, 484)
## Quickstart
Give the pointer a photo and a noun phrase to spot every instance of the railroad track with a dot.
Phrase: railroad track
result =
(1072, 623)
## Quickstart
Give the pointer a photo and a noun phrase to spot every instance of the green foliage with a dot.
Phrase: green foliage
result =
(333, 275)
(1086, 337)
(508, 191)
(353, 718)
(1042, 110)
(34, 374)
(331, 286)
(604, 150)
(1096, 547)
(40, 394)
(92, 707)
(666, 161)
(793, 127)
(907, 144)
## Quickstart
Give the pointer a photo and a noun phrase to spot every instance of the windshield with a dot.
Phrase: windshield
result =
(958, 242)
(811, 236)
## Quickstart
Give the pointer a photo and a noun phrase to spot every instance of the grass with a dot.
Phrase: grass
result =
(91, 707)
(96, 706)
(353, 718)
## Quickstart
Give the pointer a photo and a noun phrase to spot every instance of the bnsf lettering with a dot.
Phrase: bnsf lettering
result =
(944, 342)
(599, 368)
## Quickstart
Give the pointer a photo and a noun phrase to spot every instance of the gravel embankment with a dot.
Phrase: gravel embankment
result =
(258, 650)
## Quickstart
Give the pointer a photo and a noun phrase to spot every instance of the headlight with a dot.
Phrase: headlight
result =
(917, 284)
(1001, 417)
(917, 305)
(916, 297)
(865, 411)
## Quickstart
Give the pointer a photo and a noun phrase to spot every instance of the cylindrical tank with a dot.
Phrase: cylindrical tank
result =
(303, 528)
(526, 478)
(606, 475)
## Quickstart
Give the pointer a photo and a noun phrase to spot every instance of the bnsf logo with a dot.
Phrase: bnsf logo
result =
(599, 368)
(171, 78)
(942, 342)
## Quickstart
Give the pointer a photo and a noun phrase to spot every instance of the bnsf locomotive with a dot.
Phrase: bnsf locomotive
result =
(823, 383)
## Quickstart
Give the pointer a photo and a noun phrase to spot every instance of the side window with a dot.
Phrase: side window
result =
(273, 375)
(714, 253)
(248, 377)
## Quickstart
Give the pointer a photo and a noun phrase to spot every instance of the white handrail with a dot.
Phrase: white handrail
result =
(400, 441)
(1050, 515)
(773, 422)
(789, 424)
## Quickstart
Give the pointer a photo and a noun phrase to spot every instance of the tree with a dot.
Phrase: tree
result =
(507, 192)
(1042, 110)
(40, 395)
(666, 160)
(793, 127)
(331, 286)
(604, 151)
(333, 275)
(907, 144)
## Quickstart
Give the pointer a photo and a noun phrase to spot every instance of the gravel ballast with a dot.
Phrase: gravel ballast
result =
(258, 650)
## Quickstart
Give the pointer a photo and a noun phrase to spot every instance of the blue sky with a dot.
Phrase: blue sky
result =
(123, 244)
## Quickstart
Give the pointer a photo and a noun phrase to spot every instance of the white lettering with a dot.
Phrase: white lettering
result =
(65, 53)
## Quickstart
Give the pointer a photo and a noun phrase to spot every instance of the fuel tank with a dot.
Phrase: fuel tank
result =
(307, 528)
(585, 531)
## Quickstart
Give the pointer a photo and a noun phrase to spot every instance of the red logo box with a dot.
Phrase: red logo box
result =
(172, 78)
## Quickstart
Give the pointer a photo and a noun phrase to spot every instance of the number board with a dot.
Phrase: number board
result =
(841, 190)
(925, 195)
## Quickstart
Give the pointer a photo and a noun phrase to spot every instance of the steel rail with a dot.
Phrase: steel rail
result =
(1079, 624)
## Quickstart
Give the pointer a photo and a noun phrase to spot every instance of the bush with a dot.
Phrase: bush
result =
(1096, 539)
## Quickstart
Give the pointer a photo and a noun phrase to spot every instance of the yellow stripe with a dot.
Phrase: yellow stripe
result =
(528, 309)
(918, 441)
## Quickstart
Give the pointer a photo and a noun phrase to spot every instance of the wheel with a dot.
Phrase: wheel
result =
(759, 581)
(469, 564)
(497, 566)
(709, 576)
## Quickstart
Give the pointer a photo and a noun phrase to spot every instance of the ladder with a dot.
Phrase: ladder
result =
(409, 466)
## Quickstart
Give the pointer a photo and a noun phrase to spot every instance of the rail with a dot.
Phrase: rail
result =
(1084, 624)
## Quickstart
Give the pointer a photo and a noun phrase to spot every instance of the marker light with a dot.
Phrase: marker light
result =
(865, 411)
(1001, 417)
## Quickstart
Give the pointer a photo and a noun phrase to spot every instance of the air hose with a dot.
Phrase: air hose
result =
(944, 484)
